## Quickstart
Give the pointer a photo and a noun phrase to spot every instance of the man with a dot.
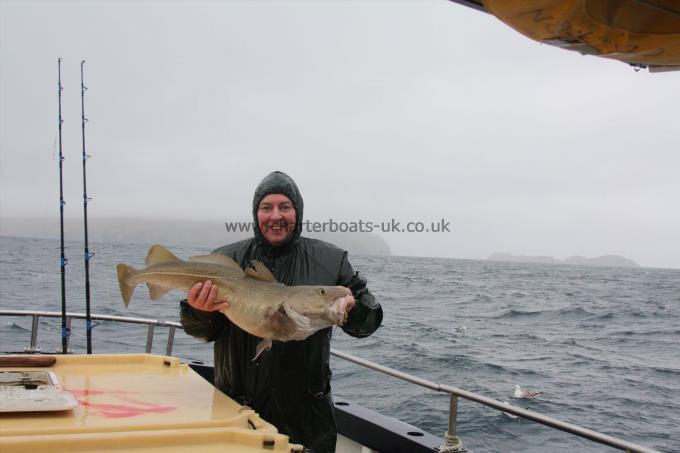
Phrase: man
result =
(288, 385)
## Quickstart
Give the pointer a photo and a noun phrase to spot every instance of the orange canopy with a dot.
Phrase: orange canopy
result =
(639, 32)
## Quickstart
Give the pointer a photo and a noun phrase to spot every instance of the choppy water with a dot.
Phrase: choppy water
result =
(601, 343)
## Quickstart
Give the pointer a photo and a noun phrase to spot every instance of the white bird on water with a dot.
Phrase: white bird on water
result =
(521, 393)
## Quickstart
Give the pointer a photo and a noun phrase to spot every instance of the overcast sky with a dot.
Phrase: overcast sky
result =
(408, 110)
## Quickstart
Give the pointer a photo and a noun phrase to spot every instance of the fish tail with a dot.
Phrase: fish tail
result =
(126, 289)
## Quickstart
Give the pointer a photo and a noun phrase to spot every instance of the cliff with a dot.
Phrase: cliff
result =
(602, 261)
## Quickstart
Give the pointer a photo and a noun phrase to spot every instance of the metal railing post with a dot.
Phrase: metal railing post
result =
(451, 442)
(171, 340)
(149, 338)
(453, 414)
(34, 334)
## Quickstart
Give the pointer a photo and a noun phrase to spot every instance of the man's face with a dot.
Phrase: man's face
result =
(276, 218)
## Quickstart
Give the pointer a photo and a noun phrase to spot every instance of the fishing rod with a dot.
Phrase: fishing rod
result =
(87, 255)
(64, 261)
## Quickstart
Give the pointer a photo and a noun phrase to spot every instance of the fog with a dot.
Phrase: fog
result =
(413, 111)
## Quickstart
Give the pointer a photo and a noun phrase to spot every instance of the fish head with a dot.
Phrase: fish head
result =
(325, 305)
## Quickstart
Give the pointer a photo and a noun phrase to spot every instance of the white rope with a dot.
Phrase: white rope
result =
(451, 444)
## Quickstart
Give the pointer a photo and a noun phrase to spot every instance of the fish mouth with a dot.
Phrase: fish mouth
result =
(338, 310)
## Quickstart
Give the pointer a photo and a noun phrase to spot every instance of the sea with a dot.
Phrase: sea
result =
(602, 344)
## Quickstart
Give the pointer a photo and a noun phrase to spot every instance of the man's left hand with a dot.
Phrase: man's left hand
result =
(350, 299)
(350, 303)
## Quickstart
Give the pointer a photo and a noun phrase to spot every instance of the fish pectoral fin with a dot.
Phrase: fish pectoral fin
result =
(159, 254)
(260, 272)
(216, 258)
(157, 291)
(301, 321)
(264, 345)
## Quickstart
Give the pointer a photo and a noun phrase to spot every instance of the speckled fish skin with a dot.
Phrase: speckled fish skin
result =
(258, 303)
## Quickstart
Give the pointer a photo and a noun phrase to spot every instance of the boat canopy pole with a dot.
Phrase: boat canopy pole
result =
(64, 329)
(87, 255)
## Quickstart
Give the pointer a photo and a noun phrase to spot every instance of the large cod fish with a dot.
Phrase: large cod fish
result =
(258, 303)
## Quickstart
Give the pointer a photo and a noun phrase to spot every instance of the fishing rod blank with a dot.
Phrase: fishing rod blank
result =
(88, 255)
(64, 261)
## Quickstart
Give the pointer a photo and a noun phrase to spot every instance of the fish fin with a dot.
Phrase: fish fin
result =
(264, 345)
(159, 254)
(215, 258)
(156, 291)
(260, 271)
(126, 290)
(301, 321)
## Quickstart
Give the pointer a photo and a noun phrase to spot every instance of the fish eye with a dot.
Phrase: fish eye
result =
(322, 291)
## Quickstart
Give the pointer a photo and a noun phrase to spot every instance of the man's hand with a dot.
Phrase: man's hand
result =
(350, 299)
(203, 296)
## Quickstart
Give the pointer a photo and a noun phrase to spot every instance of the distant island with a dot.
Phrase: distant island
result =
(601, 261)
(205, 234)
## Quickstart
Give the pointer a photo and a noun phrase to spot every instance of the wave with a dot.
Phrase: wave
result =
(566, 313)
(517, 313)
(644, 333)
(482, 298)
(10, 325)
(518, 337)
(602, 317)
(573, 312)
(673, 373)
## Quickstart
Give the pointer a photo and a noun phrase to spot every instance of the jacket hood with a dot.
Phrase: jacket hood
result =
(278, 182)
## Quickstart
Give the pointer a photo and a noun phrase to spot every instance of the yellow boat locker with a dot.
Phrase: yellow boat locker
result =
(141, 402)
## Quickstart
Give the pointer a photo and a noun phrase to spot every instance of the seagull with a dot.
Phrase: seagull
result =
(521, 393)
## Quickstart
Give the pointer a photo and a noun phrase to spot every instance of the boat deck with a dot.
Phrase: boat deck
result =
(138, 402)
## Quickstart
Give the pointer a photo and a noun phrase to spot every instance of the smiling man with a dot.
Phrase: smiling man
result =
(288, 385)
(276, 218)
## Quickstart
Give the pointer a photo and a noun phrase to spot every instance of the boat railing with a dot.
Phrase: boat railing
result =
(454, 392)
(150, 323)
